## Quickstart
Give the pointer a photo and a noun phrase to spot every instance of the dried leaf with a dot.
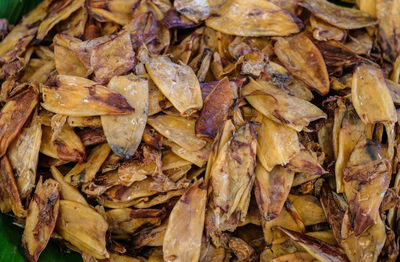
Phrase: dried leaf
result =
(67, 191)
(280, 107)
(133, 221)
(13, 116)
(271, 190)
(317, 248)
(177, 129)
(9, 195)
(229, 195)
(177, 82)
(370, 95)
(215, 110)
(277, 143)
(67, 146)
(302, 58)
(323, 31)
(83, 227)
(124, 142)
(388, 14)
(342, 17)
(76, 96)
(194, 10)
(186, 219)
(108, 61)
(254, 18)
(23, 154)
(57, 12)
(41, 218)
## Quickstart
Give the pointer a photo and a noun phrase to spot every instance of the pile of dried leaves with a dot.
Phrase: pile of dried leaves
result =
(238, 130)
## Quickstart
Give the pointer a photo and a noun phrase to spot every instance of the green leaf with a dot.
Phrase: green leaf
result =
(13, 10)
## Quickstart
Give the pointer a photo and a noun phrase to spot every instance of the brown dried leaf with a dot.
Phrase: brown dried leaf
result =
(56, 12)
(41, 218)
(336, 54)
(271, 190)
(67, 146)
(277, 143)
(303, 59)
(133, 221)
(83, 227)
(370, 95)
(215, 110)
(67, 191)
(254, 18)
(242, 250)
(184, 231)
(13, 116)
(23, 154)
(9, 195)
(125, 141)
(279, 106)
(177, 82)
(342, 17)
(388, 14)
(320, 250)
(76, 96)
(107, 60)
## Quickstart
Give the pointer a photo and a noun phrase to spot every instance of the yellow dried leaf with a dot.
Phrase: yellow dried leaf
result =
(342, 17)
(177, 82)
(83, 227)
(23, 154)
(41, 218)
(254, 18)
(309, 209)
(277, 143)
(370, 95)
(271, 190)
(76, 96)
(57, 12)
(303, 59)
(67, 191)
(279, 106)
(68, 146)
(179, 130)
(13, 116)
(125, 141)
(184, 231)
